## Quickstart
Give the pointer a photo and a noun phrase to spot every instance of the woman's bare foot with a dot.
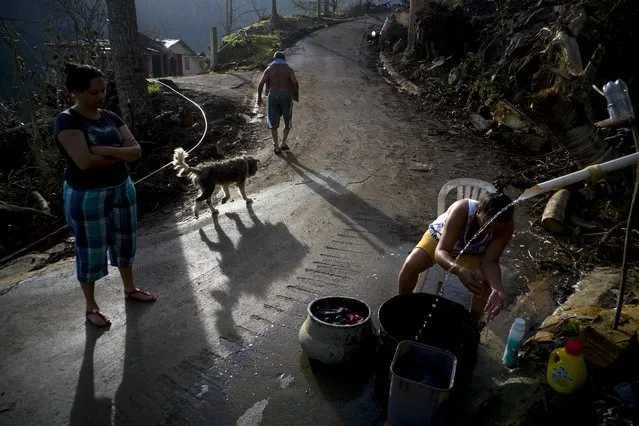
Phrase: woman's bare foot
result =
(97, 318)
(139, 295)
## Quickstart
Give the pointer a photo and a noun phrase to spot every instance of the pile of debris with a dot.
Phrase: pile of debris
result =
(527, 75)
(528, 66)
(612, 392)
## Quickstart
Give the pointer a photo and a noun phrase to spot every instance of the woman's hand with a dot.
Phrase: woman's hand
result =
(496, 302)
(472, 280)
(124, 153)
(105, 151)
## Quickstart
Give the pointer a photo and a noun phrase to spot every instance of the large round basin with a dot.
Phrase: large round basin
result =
(337, 330)
(449, 327)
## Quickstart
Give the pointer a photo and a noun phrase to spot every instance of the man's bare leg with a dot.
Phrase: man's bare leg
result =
(276, 144)
(285, 137)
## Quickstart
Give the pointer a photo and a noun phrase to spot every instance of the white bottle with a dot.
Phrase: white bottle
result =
(515, 337)
(619, 103)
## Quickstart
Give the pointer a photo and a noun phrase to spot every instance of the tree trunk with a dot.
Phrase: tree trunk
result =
(130, 80)
(274, 17)
(229, 16)
(410, 43)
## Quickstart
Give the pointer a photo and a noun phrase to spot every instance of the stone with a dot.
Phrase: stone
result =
(562, 322)
(592, 326)
(454, 75)
(479, 122)
(628, 325)
(596, 288)
(597, 348)
(20, 269)
(57, 249)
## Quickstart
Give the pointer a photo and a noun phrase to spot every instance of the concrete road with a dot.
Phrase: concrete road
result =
(335, 216)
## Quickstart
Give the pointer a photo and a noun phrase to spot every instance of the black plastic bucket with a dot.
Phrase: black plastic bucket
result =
(449, 328)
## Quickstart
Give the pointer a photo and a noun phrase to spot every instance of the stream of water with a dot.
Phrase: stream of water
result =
(420, 332)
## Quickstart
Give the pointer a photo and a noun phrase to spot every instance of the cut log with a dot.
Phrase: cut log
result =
(42, 203)
(554, 215)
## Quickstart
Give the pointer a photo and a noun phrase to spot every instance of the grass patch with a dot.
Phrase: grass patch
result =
(248, 52)
(252, 47)
(153, 87)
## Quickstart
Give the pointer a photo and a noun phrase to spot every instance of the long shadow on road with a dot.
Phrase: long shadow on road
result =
(350, 208)
(264, 253)
(167, 356)
(87, 408)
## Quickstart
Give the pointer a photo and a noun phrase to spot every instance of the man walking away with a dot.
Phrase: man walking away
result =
(283, 89)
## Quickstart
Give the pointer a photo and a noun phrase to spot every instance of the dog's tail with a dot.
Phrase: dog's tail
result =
(179, 163)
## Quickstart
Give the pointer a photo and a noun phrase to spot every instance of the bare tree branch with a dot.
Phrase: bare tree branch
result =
(11, 208)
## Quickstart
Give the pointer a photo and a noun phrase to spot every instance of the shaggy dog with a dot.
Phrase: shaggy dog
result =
(205, 176)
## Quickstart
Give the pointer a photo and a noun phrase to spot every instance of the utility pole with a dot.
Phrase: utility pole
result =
(213, 48)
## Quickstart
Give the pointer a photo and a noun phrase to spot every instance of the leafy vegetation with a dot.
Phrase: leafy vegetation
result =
(154, 87)
(252, 47)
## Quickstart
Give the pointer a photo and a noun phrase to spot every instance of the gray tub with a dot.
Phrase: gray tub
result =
(422, 378)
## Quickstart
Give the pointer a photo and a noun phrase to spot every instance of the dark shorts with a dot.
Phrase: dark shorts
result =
(102, 220)
(280, 104)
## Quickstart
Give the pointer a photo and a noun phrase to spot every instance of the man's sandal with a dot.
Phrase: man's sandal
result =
(284, 147)
(139, 295)
(105, 322)
(277, 150)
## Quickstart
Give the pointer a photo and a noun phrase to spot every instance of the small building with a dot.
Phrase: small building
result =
(160, 58)
(155, 57)
(183, 60)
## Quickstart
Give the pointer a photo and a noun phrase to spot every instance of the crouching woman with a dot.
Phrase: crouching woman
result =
(478, 268)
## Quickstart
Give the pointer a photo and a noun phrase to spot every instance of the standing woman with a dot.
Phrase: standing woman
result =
(99, 196)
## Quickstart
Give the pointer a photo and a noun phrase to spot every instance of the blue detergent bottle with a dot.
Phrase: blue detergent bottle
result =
(515, 337)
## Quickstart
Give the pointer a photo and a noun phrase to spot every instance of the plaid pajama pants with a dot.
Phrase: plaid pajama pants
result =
(102, 221)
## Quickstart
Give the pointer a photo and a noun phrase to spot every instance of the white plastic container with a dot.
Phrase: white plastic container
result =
(619, 104)
(515, 337)
(422, 378)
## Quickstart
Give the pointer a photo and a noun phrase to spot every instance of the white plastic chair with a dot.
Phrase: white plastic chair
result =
(474, 189)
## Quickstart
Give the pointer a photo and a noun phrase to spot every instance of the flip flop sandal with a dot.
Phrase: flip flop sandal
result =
(277, 150)
(284, 147)
(107, 322)
(135, 296)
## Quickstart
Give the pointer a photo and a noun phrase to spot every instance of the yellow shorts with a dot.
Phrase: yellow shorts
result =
(428, 243)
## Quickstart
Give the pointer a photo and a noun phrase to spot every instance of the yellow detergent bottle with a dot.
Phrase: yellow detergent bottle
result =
(567, 368)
